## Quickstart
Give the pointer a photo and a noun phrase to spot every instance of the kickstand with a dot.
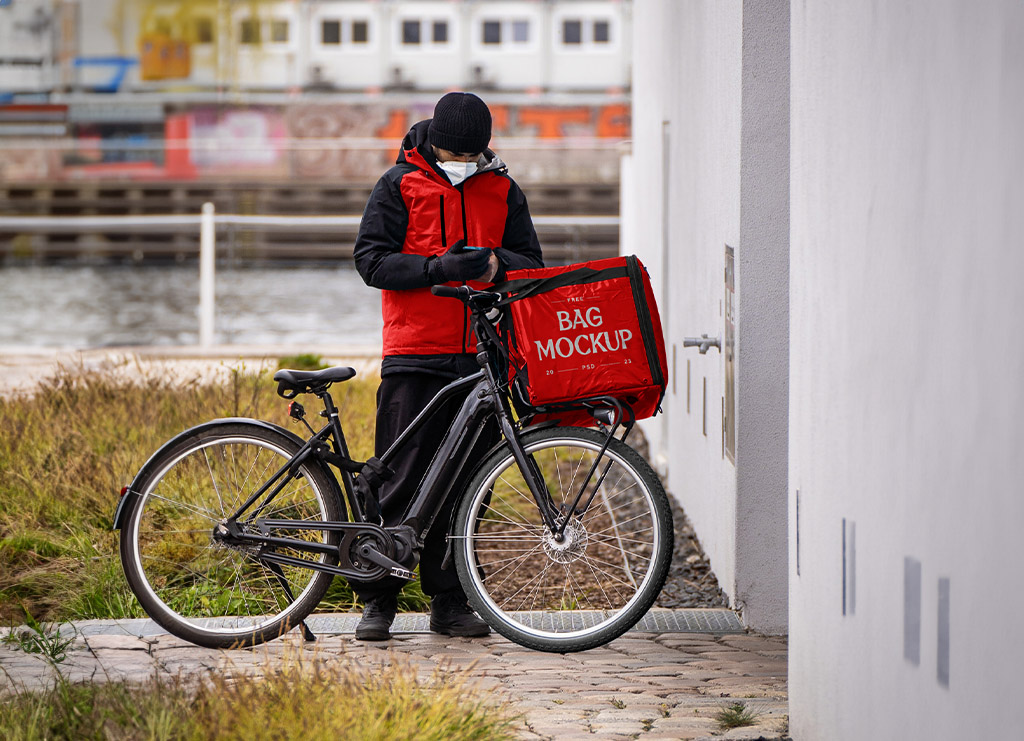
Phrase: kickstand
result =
(279, 573)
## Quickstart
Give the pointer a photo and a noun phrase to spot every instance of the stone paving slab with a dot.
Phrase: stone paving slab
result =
(643, 685)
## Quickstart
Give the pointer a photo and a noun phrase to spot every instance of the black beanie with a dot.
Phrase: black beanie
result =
(461, 124)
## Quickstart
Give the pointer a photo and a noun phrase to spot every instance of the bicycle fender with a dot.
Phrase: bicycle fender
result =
(130, 494)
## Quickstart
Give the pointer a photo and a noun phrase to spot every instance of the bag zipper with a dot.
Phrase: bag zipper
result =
(465, 237)
(444, 226)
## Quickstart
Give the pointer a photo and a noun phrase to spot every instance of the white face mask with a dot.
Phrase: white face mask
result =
(457, 171)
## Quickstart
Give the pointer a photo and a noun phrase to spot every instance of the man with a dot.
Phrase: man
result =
(447, 194)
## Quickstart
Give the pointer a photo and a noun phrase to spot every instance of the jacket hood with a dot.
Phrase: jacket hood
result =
(416, 151)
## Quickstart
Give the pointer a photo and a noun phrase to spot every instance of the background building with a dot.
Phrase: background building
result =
(321, 45)
(147, 107)
(873, 151)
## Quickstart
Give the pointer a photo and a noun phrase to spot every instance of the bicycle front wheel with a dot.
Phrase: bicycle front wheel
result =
(199, 587)
(596, 581)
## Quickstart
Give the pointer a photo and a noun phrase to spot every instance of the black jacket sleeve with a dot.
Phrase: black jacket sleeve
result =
(378, 251)
(520, 247)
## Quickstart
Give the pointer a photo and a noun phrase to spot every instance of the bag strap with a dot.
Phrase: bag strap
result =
(643, 313)
(526, 287)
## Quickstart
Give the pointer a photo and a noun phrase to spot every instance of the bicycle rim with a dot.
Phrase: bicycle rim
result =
(600, 578)
(199, 588)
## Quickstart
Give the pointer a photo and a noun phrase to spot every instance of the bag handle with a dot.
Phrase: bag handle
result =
(525, 287)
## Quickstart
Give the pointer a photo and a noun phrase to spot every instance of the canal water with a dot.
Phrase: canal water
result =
(89, 306)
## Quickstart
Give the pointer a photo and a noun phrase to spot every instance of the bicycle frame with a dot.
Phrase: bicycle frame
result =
(484, 400)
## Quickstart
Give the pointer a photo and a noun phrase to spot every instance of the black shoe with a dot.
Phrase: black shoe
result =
(378, 615)
(450, 615)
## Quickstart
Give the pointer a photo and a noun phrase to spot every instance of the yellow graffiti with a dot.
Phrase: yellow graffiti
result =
(167, 32)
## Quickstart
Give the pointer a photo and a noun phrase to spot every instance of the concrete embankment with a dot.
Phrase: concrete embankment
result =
(23, 369)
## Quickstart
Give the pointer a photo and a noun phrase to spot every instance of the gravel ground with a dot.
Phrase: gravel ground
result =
(690, 582)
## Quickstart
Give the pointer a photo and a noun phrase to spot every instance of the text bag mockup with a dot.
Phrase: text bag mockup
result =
(583, 331)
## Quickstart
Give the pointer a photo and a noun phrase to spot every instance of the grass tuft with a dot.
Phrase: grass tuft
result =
(34, 638)
(296, 699)
(736, 715)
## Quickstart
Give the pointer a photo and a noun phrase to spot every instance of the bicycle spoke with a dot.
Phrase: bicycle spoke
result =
(624, 522)
(608, 540)
(533, 579)
(605, 573)
(202, 512)
(522, 525)
(245, 482)
(509, 566)
(610, 560)
(213, 480)
(540, 578)
(516, 489)
(190, 576)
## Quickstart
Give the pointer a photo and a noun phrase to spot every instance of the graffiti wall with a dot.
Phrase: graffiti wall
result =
(304, 141)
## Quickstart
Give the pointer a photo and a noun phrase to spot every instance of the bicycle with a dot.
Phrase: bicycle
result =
(231, 533)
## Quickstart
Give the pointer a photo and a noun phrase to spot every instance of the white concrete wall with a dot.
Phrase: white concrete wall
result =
(762, 352)
(906, 368)
(705, 172)
(686, 145)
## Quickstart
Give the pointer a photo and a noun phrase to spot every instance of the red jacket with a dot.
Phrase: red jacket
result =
(414, 214)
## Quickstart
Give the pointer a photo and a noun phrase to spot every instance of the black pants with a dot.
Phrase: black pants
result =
(400, 397)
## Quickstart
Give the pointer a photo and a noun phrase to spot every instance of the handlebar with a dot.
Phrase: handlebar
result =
(474, 299)
(459, 292)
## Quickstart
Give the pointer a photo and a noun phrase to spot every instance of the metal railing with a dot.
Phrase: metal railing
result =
(208, 221)
(175, 222)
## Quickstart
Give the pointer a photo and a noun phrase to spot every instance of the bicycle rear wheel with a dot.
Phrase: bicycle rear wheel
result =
(198, 587)
(600, 578)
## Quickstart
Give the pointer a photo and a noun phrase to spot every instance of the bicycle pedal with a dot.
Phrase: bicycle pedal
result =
(403, 573)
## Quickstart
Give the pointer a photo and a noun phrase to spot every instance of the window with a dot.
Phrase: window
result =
(279, 31)
(410, 32)
(250, 31)
(520, 32)
(507, 34)
(440, 32)
(572, 32)
(330, 32)
(602, 33)
(360, 32)
(203, 30)
(492, 32)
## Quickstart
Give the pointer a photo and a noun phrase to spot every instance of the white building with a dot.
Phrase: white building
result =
(554, 46)
(865, 163)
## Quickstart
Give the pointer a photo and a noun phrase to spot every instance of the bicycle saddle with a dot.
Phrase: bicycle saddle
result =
(291, 383)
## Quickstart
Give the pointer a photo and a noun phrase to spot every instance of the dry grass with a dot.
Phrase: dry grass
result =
(296, 699)
(65, 453)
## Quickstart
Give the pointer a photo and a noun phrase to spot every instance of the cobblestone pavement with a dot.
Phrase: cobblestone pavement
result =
(644, 685)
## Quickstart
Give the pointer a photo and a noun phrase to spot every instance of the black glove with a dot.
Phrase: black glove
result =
(458, 264)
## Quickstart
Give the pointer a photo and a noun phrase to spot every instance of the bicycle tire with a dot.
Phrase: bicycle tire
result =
(594, 585)
(200, 590)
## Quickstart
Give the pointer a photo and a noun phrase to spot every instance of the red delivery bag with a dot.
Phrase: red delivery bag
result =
(582, 331)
